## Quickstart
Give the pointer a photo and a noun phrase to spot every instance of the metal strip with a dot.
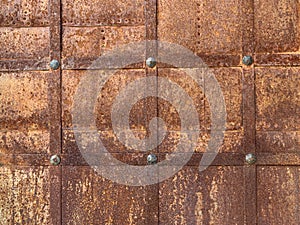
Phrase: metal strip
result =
(55, 116)
(151, 51)
(249, 119)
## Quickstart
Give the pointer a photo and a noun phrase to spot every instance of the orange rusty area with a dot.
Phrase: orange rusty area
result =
(262, 101)
(24, 13)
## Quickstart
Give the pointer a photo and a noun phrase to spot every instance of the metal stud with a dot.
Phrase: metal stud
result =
(151, 159)
(151, 62)
(54, 64)
(247, 60)
(250, 158)
(55, 160)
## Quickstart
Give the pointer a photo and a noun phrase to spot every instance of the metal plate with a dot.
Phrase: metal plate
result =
(21, 43)
(210, 27)
(278, 101)
(81, 46)
(91, 13)
(215, 196)
(24, 13)
(276, 26)
(95, 200)
(278, 195)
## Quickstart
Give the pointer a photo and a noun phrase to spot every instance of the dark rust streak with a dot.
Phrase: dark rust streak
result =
(249, 114)
(55, 116)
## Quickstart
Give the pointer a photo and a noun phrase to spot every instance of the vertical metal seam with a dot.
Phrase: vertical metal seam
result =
(249, 113)
(151, 51)
(55, 98)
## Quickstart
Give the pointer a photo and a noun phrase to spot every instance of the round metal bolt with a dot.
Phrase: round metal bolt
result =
(247, 60)
(151, 159)
(55, 160)
(250, 158)
(54, 64)
(151, 62)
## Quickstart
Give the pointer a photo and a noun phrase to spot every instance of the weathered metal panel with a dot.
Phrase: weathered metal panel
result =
(89, 199)
(276, 26)
(24, 13)
(91, 13)
(21, 43)
(210, 27)
(6, 195)
(31, 195)
(277, 98)
(82, 45)
(233, 142)
(278, 195)
(24, 100)
(215, 196)
(140, 114)
(278, 141)
(231, 83)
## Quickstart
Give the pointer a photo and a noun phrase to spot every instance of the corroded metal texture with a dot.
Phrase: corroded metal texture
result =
(90, 199)
(83, 45)
(193, 198)
(278, 195)
(262, 102)
(278, 101)
(24, 13)
(21, 43)
(203, 26)
(276, 26)
(121, 13)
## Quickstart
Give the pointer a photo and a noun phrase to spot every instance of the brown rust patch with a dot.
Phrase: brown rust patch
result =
(122, 13)
(141, 112)
(278, 195)
(90, 199)
(217, 192)
(210, 27)
(32, 195)
(24, 100)
(6, 195)
(89, 43)
(24, 13)
(278, 98)
(24, 43)
(276, 25)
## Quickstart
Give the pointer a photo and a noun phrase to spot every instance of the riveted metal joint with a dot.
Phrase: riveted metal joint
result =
(54, 64)
(151, 159)
(55, 160)
(151, 62)
(251, 158)
(247, 60)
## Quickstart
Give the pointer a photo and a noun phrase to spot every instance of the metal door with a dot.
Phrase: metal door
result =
(251, 48)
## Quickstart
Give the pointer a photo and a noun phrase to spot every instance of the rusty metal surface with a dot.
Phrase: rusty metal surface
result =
(141, 113)
(91, 13)
(278, 102)
(278, 195)
(21, 43)
(24, 13)
(276, 26)
(24, 101)
(198, 198)
(82, 45)
(90, 199)
(262, 103)
(210, 27)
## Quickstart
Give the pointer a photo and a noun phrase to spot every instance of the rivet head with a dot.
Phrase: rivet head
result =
(151, 62)
(151, 159)
(250, 158)
(247, 60)
(55, 160)
(54, 64)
